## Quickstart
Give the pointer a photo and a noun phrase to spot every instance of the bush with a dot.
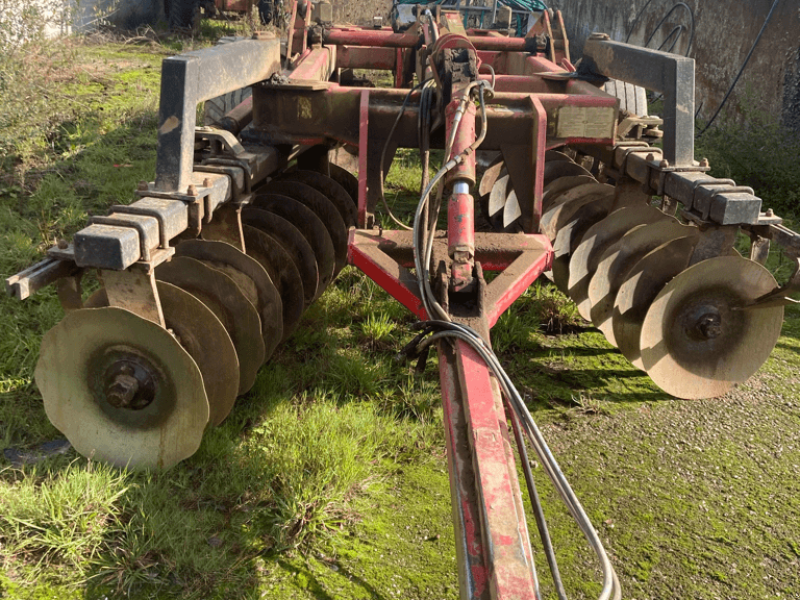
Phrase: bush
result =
(754, 149)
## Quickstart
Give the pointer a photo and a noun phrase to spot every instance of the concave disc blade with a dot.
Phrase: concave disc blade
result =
(332, 190)
(498, 195)
(642, 284)
(204, 337)
(345, 179)
(557, 187)
(595, 241)
(512, 210)
(694, 344)
(251, 278)
(569, 203)
(226, 300)
(570, 236)
(323, 208)
(619, 259)
(307, 223)
(81, 362)
(556, 156)
(293, 242)
(560, 168)
(490, 176)
(282, 270)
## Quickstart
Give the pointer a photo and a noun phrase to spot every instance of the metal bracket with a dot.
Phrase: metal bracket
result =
(669, 74)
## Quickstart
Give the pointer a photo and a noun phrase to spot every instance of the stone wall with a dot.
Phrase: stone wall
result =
(724, 34)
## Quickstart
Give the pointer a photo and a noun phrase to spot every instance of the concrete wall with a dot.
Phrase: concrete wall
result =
(725, 32)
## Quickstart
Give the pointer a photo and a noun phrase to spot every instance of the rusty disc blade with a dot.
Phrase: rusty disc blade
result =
(490, 175)
(618, 260)
(570, 236)
(251, 278)
(122, 389)
(332, 190)
(555, 188)
(293, 242)
(204, 337)
(595, 242)
(345, 179)
(498, 195)
(282, 270)
(569, 203)
(324, 209)
(304, 219)
(560, 168)
(694, 343)
(557, 156)
(641, 286)
(225, 299)
(512, 210)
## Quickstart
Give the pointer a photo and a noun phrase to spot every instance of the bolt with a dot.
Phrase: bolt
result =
(769, 213)
(599, 36)
(710, 325)
(191, 190)
(704, 163)
(122, 390)
(651, 157)
(62, 244)
(263, 36)
(207, 182)
(664, 164)
(143, 186)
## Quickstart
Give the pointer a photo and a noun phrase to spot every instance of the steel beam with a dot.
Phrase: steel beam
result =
(669, 74)
(191, 78)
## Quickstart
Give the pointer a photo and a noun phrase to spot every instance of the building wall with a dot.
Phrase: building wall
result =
(725, 32)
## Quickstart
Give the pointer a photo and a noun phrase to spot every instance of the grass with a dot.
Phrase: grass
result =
(329, 480)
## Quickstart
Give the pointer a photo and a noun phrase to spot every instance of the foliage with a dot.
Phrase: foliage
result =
(754, 149)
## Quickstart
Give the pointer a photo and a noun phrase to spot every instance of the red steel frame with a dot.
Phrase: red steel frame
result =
(492, 540)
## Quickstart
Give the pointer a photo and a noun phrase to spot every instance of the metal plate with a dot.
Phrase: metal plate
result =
(276, 260)
(324, 208)
(570, 236)
(642, 284)
(345, 179)
(304, 219)
(293, 242)
(251, 278)
(71, 374)
(691, 366)
(618, 260)
(332, 190)
(595, 242)
(226, 300)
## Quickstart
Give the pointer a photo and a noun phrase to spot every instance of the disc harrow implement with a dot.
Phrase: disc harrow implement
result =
(209, 270)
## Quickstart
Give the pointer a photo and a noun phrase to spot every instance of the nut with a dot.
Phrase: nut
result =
(263, 36)
(599, 36)
(207, 182)
(191, 190)
(143, 186)
(664, 164)
(704, 163)
(62, 244)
